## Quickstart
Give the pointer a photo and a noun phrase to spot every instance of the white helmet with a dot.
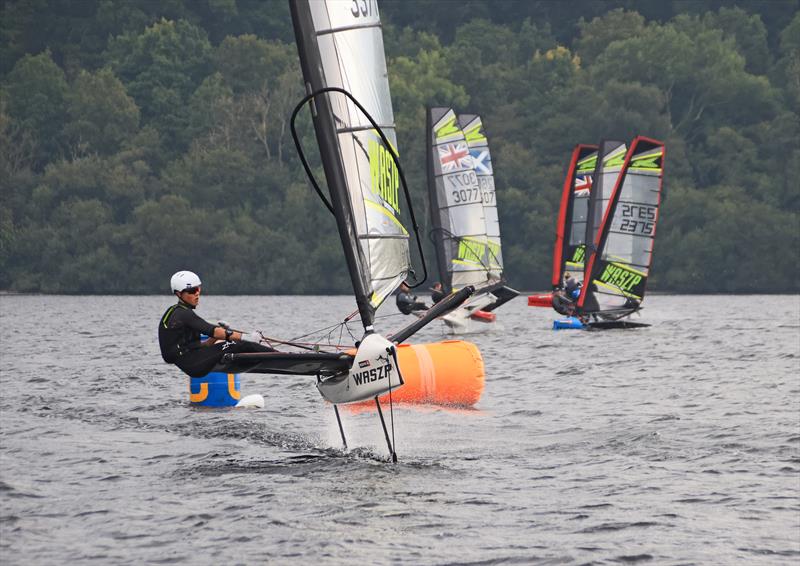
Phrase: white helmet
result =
(184, 280)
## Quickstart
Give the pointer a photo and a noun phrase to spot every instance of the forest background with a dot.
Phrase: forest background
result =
(140, 137)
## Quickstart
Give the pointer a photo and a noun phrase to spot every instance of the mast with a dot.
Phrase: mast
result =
(341, 47)
(564, 212)
(435, 208)
(314, 77)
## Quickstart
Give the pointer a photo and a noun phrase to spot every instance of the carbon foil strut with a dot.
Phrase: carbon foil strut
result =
(385, 431)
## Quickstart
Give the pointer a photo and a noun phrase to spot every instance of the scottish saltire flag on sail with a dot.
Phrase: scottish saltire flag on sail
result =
(463, 249)
(348, 53)
(481, 160)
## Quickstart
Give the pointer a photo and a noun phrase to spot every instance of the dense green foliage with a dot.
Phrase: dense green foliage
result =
(142, 137)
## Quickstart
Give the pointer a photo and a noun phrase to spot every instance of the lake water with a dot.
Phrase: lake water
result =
(674, 444)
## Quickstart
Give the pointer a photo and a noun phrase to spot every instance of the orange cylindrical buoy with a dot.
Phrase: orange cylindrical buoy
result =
(541, 300)
(442, 373)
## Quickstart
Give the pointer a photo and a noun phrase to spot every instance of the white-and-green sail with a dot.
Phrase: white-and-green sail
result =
(341, 45)
(457, 212)
(478, 144)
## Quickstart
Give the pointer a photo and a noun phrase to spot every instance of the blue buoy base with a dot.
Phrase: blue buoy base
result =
(567, 323)
(217, 389)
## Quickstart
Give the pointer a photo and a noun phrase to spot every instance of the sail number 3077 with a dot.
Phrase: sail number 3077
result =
(462, 188)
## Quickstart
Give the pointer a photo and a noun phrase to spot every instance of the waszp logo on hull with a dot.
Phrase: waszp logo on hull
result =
(372, 375)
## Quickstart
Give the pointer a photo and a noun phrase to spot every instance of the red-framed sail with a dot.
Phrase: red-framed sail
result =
(619, 262)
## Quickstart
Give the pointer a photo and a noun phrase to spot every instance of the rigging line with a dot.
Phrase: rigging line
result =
(332, 327)
(452, 236)
(270, 340)
(318, 331)
(389, 147)
(391, 402)
(341, 332)
(350, 333)
(302, 155)
(393, 315)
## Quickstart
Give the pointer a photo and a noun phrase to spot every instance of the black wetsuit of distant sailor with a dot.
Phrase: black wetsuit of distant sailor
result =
(407, 303)
(179, 337)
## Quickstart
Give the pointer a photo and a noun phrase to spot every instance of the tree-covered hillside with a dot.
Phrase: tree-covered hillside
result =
(140, 137)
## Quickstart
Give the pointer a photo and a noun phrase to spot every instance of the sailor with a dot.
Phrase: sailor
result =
(571, 287)
(408, 303)
(180, 329)
(562, 304)
(437, 294)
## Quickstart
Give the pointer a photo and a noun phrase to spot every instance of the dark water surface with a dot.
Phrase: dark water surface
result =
(675, 444)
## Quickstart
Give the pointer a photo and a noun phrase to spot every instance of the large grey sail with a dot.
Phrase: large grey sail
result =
(348, 40)
(456, 204)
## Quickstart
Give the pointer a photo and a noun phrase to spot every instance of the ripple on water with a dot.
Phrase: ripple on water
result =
(585, 447)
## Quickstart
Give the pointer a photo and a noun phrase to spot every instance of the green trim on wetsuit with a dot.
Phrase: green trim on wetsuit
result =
(179, 332)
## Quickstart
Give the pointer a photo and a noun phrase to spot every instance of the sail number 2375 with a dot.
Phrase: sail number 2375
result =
(363, 8)
(637, 219)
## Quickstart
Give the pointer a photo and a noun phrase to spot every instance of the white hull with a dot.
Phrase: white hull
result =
(460, 321)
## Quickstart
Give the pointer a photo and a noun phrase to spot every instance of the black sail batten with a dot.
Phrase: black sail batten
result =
(325, 129)
(438, 232)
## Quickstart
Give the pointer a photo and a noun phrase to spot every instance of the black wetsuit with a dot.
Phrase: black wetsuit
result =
(179, 337)
(562, 304)
(437, 296)
(407, 303)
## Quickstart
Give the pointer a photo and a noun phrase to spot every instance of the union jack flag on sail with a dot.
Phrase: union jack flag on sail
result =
(583, 183)
(454, 157)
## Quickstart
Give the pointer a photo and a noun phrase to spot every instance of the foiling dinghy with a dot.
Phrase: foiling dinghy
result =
(340, 45)
(623, 213)
(569, 251)
(463, 206)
